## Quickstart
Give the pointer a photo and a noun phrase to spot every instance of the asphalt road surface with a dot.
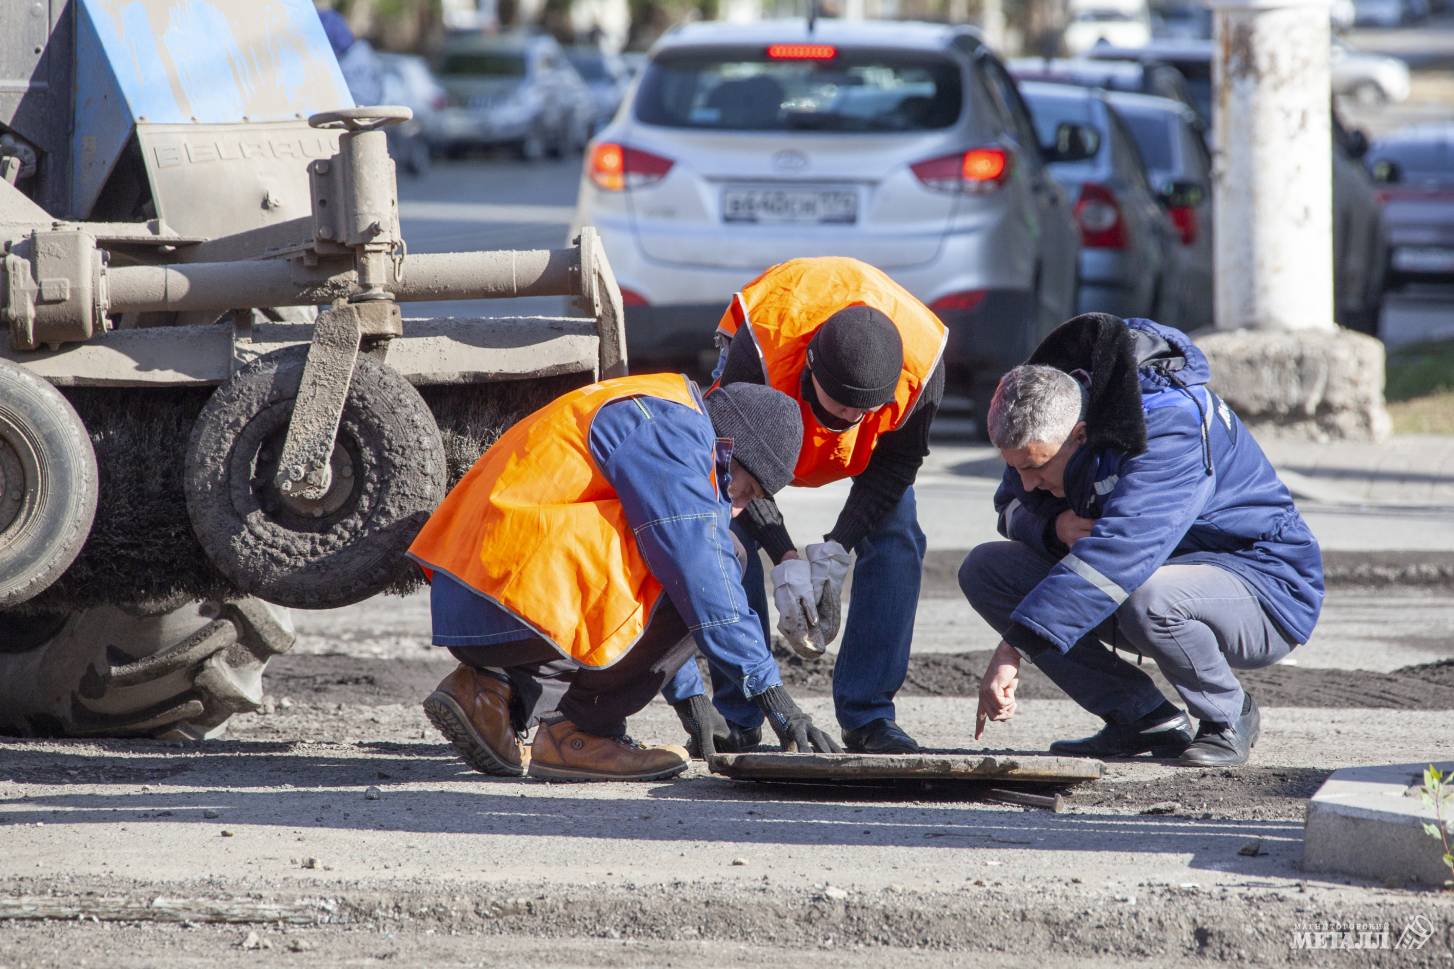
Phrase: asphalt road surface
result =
(336, 828)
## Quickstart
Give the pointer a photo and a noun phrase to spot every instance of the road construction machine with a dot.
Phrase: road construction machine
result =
(212, 408)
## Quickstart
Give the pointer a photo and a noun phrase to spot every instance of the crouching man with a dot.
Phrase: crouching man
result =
(584, 559)
(1141, 515)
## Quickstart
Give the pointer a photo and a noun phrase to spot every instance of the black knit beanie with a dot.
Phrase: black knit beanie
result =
(766, 429)
(857, 355)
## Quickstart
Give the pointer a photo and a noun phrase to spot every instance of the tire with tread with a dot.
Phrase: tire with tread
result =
(389, 475)
(172, 670)
(48, 485)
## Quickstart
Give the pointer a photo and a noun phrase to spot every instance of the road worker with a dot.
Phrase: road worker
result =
(862, 359)
(586, 556)
(1140, 514)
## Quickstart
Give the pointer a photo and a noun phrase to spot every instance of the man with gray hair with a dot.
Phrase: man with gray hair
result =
(1141, 515)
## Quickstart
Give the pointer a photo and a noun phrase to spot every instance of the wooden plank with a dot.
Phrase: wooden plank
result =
(780, 766)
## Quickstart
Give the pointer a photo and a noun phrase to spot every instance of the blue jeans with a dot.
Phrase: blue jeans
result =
(873, 656)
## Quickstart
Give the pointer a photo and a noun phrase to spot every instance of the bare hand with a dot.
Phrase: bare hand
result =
(997, 689)
(1071, 528)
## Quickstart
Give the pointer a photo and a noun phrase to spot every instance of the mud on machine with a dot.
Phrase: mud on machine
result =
(186, 441)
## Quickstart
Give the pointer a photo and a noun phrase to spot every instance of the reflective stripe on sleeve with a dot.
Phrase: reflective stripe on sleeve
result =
(1010, 510)
(1092, 575)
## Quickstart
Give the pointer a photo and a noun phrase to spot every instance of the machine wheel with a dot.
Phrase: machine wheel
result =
(388, 472)
(48, 485)
(177, 672)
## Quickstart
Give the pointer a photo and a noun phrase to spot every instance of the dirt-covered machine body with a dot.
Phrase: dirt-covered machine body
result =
(207, 388)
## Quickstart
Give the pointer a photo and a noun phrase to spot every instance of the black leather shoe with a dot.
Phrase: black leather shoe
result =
(1225, 744)
(1162, 733)
(879, 737)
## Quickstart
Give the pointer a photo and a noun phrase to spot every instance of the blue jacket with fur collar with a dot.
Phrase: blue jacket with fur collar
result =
(1170, 475)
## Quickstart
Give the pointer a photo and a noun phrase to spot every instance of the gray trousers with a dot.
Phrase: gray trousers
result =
(1196, 622)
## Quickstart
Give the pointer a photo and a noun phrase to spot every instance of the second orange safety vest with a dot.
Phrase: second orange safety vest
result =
(536, 528)
(785, 306)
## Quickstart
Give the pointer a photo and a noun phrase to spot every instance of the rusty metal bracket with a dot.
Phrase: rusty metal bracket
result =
(303, 469)
(600, 298)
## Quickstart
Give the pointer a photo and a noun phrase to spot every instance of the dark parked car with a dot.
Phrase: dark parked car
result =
(1168, 135)
(1359, 243)
(1414, 171)
(1127, 244)
(1161, 80)
(1191, 58)
(606, 76)
(516, 90)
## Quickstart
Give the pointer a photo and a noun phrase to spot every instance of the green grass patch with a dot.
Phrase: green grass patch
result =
(1420, 388)
(1419, 370)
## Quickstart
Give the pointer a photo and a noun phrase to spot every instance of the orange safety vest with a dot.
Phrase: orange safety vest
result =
(783, 308)
(536, 528)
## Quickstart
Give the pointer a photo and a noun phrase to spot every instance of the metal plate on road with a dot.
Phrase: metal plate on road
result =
(1028, 768)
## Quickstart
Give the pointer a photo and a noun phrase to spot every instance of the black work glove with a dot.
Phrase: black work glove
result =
(709, 733)
(794, 728)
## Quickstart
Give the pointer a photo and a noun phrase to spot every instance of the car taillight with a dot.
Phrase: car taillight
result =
(630, 297)
(1184, 217)
(617, 168)
(801, 52)
(962, 301)
(977, 170)
(1099, 218)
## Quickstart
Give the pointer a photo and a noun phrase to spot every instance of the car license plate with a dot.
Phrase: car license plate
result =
(790, 206)
(1423, 259)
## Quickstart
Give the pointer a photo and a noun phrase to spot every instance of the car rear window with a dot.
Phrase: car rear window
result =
(1153, 134)
(849, 92)
(484, 64)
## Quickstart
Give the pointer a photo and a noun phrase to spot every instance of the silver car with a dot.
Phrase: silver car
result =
(904, 145)
(1127, 258)
(511, 89)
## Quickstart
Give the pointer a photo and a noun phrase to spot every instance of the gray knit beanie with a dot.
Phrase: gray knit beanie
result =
(857, 355)
(766, 429)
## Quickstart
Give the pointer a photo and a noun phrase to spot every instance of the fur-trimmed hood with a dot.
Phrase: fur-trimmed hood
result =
(1118, 361)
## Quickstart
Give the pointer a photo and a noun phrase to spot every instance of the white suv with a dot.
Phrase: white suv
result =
(905, 145)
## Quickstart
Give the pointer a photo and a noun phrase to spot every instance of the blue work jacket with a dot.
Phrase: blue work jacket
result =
(1202, 492)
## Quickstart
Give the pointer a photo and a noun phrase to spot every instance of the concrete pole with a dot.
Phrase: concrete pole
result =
(1273, 206)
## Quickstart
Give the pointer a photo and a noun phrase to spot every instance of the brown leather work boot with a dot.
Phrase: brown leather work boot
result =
(564, 752)
(472, 710)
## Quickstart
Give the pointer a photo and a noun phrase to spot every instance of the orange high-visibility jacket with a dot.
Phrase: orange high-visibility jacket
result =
(783, 308)
(536, 527)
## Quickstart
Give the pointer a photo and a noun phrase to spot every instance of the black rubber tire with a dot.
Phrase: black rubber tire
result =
(175, 671)
(352, 544)
(48, 485)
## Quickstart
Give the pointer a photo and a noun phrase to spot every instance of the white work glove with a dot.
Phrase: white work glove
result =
(797, 612)
(829, 564)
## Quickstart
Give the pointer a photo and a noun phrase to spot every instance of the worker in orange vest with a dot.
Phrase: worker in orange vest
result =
(861, 357)
(584, 559)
